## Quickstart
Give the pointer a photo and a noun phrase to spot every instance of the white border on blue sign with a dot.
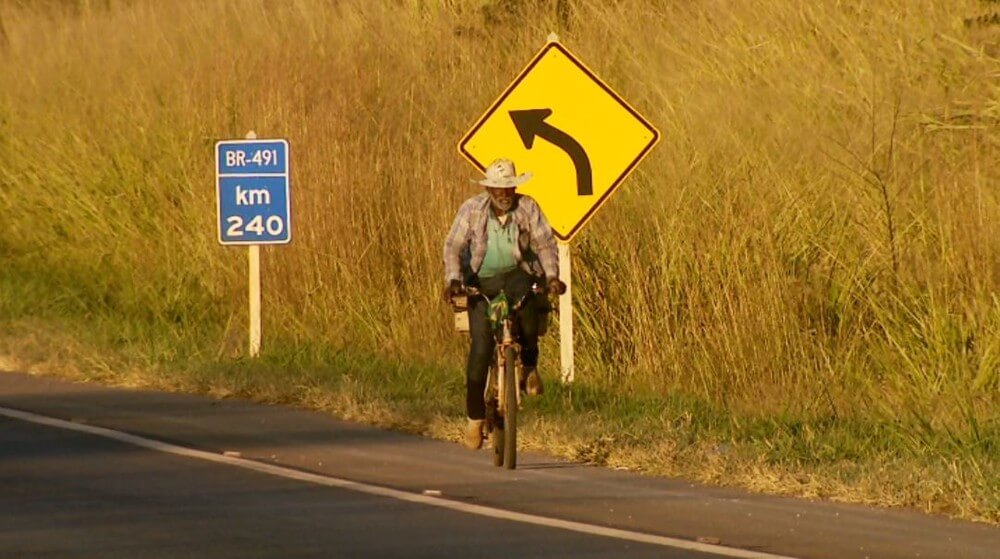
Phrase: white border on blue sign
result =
(288, 183)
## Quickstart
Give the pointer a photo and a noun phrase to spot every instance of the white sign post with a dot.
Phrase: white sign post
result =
(566, 314)
(253, 259)
(254, 206)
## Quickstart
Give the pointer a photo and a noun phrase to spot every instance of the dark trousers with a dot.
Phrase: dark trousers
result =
(515, 284)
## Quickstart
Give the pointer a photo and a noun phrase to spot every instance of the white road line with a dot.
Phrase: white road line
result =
(387, 492)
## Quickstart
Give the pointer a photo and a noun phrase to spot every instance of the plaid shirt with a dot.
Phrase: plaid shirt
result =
(465, 247)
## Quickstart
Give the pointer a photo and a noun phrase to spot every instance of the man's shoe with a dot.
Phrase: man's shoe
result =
(522, 377)
(474, 434)
(534, 383)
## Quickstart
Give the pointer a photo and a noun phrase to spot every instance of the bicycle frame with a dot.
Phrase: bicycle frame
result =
(495, 379)
(504, 376)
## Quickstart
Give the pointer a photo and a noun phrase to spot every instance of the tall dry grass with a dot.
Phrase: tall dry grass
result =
(816, 233)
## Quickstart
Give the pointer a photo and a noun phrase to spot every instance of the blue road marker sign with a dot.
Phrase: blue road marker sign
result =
(251, 178)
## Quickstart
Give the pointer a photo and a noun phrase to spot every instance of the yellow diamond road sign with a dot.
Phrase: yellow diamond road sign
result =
(562, 123)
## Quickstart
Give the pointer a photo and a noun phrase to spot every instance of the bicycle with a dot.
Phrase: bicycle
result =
(502, 394)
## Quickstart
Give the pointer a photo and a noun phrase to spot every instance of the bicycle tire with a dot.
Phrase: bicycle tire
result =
(494, 425)
(510, 409)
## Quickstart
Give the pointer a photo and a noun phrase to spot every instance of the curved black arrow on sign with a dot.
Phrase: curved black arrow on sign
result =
(531, 123)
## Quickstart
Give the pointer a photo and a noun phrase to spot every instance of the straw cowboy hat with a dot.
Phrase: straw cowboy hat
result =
(501, 174)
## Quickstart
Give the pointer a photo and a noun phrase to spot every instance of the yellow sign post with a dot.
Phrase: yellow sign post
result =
(562, 123)
(579, 138)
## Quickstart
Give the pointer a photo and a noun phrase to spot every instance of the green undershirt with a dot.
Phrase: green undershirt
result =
(500, 241)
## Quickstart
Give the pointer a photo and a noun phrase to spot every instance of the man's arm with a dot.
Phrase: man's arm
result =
(454, 243)
(543, 243)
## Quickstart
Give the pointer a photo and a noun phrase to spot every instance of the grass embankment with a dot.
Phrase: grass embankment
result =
(794, 293)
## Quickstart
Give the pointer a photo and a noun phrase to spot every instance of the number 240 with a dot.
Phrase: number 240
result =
(274, 225)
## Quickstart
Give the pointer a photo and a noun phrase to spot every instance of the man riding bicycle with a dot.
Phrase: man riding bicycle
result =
(500, 240)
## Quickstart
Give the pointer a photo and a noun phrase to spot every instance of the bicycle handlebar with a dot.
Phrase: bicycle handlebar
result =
(536, 289)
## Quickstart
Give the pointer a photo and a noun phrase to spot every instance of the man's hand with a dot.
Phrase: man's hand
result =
(453, 288)
(556, 286)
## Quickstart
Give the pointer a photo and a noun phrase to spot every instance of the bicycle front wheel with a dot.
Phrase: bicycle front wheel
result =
(510, 409)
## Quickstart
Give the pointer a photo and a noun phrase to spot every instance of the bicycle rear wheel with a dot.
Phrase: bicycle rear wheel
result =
(497, 444)
(494, 424)
(510, 409)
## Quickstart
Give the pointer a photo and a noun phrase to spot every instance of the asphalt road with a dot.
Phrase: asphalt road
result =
(65, 493)
(68, 494)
